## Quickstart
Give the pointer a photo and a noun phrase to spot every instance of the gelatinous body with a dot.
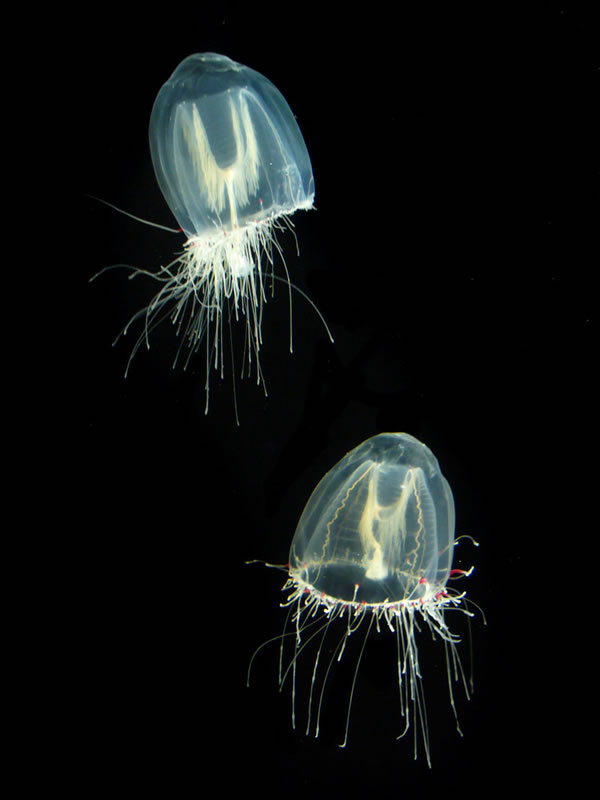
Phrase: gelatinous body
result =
(226, 148)
(379, 527)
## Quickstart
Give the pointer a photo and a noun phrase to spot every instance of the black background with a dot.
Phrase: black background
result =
(452, 253)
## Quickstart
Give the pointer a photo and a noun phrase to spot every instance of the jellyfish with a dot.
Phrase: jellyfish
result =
(233, 167)
(373, 550)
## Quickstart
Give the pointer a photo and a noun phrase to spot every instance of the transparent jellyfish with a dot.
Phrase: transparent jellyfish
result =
(233, 166)
(373, 549)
